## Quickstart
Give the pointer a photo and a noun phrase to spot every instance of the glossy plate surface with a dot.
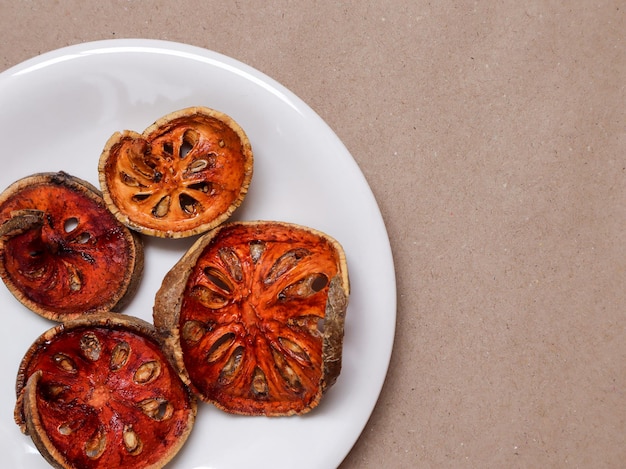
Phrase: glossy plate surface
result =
(56, 113)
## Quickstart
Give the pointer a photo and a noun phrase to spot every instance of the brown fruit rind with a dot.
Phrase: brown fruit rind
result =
(253, 316)
(98, 392)
(62, 253)
(184, 175)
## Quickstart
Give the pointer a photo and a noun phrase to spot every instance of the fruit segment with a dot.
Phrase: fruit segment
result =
(62, 253)
(254, 314)
(99, 393)
(182, 176)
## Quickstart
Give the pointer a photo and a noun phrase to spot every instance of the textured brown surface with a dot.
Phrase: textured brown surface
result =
(493, 135)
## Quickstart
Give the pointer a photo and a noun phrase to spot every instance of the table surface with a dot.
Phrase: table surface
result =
(493, 136)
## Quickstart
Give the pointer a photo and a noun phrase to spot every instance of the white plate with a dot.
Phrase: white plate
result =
(56, 112)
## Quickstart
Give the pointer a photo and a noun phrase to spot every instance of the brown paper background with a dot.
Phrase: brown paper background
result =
(493, 135)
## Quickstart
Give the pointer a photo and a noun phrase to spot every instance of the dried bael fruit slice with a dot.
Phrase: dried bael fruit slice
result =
(253, 316)
(62, 253)
(183, 176)
(98, 392)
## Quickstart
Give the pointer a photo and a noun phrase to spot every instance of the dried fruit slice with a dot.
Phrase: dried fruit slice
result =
(253, 316)
(183, 176)
(62, 253)
(98, 392)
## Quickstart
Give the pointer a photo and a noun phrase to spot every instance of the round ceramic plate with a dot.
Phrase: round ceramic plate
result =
(56, 113)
